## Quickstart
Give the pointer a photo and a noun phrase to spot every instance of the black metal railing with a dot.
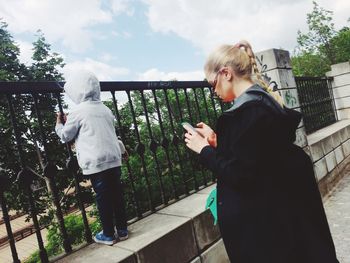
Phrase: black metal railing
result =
(159, 171)
(316, 101)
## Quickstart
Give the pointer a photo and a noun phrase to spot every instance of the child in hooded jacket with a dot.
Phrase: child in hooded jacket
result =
(99, 152)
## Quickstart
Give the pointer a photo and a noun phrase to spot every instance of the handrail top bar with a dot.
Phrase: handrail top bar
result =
(22, 87)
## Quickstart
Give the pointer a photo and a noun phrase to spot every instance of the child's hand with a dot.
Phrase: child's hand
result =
(125, 156)
(61, 117)
(208, 133)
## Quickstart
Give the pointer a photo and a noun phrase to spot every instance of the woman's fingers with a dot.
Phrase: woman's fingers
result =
(188, 135)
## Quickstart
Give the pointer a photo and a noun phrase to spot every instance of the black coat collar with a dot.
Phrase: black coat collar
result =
(256, 93)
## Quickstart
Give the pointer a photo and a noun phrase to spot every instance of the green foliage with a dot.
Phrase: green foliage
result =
(321, 31)
(321, 46)
(45, 66)
(96, 225)
(309, 64)
(168, 167)
(75, 230)
(33, 258)
(10, 67)
(341, 44)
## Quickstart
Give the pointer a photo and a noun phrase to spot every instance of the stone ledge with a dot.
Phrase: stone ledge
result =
(327, 131)
(216, 253)
(339, 69)
(193, 207)
(328, 183)
(99, 253)
(177, 233)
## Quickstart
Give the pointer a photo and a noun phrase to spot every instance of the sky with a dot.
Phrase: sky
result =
(156, 39)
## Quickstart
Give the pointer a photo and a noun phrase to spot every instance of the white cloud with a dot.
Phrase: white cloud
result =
(266, 24)
(102, 70)
(65, 20)
(155, 75)
(122, 6)
(26, 52)
(123, 34)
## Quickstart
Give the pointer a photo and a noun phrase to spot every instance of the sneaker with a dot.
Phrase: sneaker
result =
(121, 234)
(103, 239)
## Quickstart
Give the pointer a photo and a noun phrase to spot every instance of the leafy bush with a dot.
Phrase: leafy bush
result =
(75, 230)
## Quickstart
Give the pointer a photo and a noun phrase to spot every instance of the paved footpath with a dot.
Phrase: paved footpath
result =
(337, 208)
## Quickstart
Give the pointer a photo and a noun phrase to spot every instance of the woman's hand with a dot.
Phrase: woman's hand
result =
(207, 133)
(195, 141)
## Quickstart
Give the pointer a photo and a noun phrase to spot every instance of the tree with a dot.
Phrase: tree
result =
(322, 46)
(321, 31)
(341, 44)
(10, 67)
(308, 64)
(10, 70)
(46, 65)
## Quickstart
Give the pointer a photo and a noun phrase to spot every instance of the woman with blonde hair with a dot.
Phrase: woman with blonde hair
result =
(269, 206)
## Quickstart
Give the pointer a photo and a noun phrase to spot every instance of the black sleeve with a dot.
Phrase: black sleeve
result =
(249, 138)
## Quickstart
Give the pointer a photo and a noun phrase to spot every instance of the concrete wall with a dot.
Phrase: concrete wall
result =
(182, 232)
(275, 65)
(329, 149)
(341, 88)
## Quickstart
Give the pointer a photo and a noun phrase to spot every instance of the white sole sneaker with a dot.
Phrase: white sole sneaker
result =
(123, 238)
(117, 237)
(109, 243)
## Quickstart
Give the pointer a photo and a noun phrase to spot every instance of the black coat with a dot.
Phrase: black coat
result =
(269, 206)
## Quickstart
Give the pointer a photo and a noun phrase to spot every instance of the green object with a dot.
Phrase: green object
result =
(212, 205)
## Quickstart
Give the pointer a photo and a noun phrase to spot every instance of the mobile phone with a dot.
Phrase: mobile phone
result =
(188, 127)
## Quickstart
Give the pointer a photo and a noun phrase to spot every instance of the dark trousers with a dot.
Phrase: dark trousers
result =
(109, 199)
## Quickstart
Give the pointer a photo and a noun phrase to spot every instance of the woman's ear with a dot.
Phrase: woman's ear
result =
(227, 73)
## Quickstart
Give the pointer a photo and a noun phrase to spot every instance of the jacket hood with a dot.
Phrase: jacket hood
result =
(82, 86)
(288, 119)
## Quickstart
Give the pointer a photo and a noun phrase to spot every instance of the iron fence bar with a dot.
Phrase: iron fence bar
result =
(181, 120)
(140, 149)
(3, 186)
(132, 179)
(50, 173)
(153, 147)
(213, 103)
(200, 117)
(26, 177)
(206, 107)
(196, 186)
(73, 167)
(210, 121)
(165, 145)
(330, 89)
(175, 141)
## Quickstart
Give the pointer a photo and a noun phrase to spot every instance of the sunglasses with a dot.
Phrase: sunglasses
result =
(215, 81)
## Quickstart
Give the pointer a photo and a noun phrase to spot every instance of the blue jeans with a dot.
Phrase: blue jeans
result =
(109, 199)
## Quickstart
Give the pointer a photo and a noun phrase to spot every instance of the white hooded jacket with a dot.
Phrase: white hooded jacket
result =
(91, 125)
